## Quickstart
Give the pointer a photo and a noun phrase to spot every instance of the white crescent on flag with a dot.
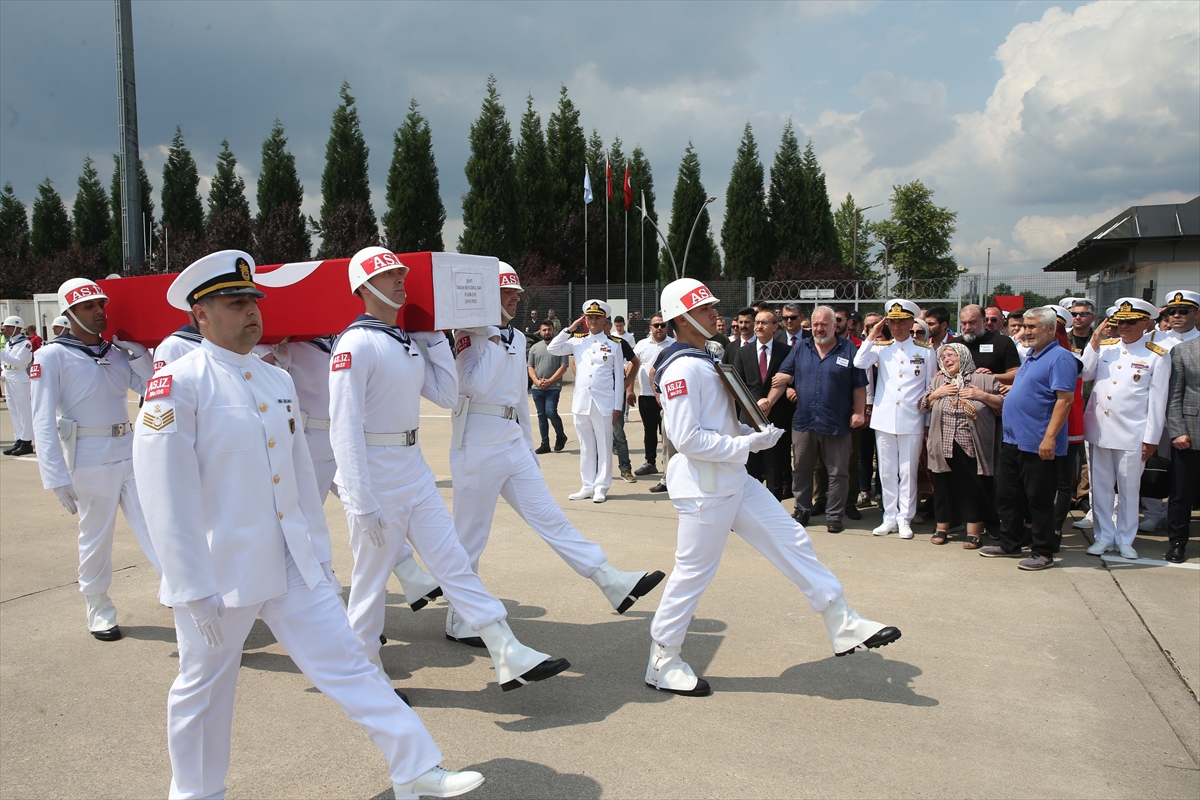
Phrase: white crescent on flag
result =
(286, 274)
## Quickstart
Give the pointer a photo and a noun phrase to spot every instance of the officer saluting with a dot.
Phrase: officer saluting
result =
(233, 507)
(1123, 420)
(712, 492)
(15, 359)
(378, 374)
(904, 369)
(492, 455)
(81, 388)
(599, 392)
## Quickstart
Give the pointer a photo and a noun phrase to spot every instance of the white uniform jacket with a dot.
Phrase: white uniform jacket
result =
(308, 364)
(176, 346)
(904, 372)
(377, 377)
(15, 359)
(1169, 339)
(599, 369)
(647, 352)
(90, 386)
(700, 420)
(495, 374)
(1128, 405)
(225, 480)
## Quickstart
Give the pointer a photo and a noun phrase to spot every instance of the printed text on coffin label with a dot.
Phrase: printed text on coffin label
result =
(468, 290)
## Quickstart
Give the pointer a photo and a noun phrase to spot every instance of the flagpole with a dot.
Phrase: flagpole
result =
(642, 242)
(607, 202)
(585, 250)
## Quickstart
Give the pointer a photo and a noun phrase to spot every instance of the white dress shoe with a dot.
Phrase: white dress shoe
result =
(516, 664)
(668, 672)
(582, 494)
(1127, 551)
(623, 589)
(418, 585)
(1084, 524)
(1099, 548)
(886, 528)
(599, 496)
(848, 631)
(905, 532)
(438, 782)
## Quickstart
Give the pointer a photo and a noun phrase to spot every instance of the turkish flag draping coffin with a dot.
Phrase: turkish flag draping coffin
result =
(312, 298)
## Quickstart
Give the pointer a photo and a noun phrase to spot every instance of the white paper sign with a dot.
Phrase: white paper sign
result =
(466, 291)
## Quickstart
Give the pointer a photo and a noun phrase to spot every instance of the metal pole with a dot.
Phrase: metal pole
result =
(626, 272)
(856, 295)
(696, 221)
(132, 251)
(854, 245)
(642, 246)
(585, 249)
(885, 271)
(987, 275)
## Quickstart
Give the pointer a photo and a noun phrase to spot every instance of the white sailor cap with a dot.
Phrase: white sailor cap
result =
(901, 309)
(1182, 297)
(597, 307)
(1132, 309)
(222, 273)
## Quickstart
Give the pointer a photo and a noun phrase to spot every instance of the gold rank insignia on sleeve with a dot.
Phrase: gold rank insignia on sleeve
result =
(1109, 341)
(1153, 347)
(159, 417)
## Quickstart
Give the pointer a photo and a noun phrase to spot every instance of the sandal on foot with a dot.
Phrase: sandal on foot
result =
(972, 543)
(940, 537)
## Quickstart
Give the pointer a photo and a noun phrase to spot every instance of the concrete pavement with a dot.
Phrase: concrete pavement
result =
(1005, 684)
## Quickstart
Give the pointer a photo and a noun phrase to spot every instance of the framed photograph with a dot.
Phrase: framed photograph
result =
(742, 397)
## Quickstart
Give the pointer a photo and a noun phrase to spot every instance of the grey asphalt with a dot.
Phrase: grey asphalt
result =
(1078, 681)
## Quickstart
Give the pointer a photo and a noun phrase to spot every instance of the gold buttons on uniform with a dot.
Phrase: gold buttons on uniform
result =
(262, 406)
(271, 443)
(1106, 412)
(277, 477)
(281, 515)
(247, 376)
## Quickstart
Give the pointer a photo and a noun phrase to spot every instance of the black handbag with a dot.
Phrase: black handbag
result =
(1156, 478)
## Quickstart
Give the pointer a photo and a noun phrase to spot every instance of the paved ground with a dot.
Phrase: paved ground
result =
(1006, 684)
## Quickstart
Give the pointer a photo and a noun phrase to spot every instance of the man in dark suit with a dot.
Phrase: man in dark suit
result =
(745, 337)
(1183, 428)
(757, 364)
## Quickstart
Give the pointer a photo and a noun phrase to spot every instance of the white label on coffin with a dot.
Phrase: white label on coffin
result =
(466, 290)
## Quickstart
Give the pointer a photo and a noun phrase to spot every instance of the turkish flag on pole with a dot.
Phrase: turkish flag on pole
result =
(608, 174)
(627, 188)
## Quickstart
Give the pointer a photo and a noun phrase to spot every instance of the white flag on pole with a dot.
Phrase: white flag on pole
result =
(587, 187)
(644, 214)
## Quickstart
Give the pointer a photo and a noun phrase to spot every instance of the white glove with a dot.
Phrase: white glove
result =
(372, 525)
(327, 568)
(764, 439)
(134, 349)
(68, 497)
(428, 337)
(207, 612)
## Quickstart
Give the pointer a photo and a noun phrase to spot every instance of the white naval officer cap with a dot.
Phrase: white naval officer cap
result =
(901, 309)
(1182, 297)
(1063, 315)
(597, 307)
(227, 272)
(1132, 309)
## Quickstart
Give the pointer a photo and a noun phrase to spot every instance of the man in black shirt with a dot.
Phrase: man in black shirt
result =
(992, 351)
(1083, 313)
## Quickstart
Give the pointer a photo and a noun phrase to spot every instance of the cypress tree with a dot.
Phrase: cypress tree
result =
(116, 252)
(183, 212)
(415, 215)
(788, 200)
(229, 221)
(532, 167)
(746, 231)
(703, 261)
(822, 231)
(490, 205)
(281, 230)
(51, 225)
(595, 156)
(14, 245)
(92, 220)
(347, 220)
(566, 151)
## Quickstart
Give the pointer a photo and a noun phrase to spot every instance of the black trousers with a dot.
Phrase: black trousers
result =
(1026, 486)
(1185, 475)
(773, 466)
(651, 413)
(957, 494)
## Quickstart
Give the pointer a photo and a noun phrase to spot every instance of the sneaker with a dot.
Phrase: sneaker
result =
(545, 448)
(560, 443)
(658, 487)
(627, 476)
(1084, 524)
(994, 551)
(863, 500)
(647, 468)
(1036, 562)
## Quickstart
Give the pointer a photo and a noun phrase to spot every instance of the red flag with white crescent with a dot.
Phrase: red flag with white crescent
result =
(608, 174)
(627, 188)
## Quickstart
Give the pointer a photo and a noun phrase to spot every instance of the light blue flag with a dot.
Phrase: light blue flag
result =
(587, 187)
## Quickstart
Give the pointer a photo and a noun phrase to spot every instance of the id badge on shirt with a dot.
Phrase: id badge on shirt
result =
(985, 348)
(843, 362)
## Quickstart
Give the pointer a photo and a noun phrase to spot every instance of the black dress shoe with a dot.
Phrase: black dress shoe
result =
(560, 443)
(421, 602)
(110, 635)
(469, 641)
(818, 508)
(835, 527)
(884, 637)
(23, 448)
(702, 689)
(543, 449)
(8, 452)
(382, 639)
(547, 669)
(644, 586)
(801, 516)
(1175, 553)
(403, 697)
(852, 512)
(658, 487)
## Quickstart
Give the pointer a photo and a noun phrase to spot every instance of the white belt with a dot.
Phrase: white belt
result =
(312, 423)
(507, 412)
(114, 431)
(402, 439)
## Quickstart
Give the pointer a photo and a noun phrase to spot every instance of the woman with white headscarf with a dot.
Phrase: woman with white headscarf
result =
(962, 405)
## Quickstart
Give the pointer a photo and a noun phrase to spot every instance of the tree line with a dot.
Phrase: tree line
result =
(524, 204)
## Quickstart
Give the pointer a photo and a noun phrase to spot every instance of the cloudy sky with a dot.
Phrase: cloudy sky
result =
(1034, 121)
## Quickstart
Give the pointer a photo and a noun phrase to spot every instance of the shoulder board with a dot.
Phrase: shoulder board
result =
(579, 334)
(885, 343)
(616, 339)
(1109, 341)
(926, 345)
(1153, 347)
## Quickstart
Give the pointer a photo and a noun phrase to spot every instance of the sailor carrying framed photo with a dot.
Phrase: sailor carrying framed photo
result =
(742, 397)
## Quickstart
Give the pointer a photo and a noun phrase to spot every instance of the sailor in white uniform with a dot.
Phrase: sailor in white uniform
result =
(178, 344)
(15, 359)
(708, 483)
(492, 455)
(1123, 421)
(233, 506)
(81, 388)
(600, 389)
(377, 376)
(904, 369)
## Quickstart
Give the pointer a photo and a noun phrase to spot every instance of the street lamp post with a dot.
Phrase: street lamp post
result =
(693, 231)
(646, 217)
(854, 237)
(886, 247)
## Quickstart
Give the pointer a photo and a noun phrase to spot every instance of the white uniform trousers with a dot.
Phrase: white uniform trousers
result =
(899, 456)
(595, 432)
(704, 525)
(418, 514)
(1120, 470)
(101, 489)
(20, 406)
(311, 626)
(483, 473)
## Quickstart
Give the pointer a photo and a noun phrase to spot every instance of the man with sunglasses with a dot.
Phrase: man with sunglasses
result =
(647, 352)
(791, 318)
(993, 318)
(1083, 317)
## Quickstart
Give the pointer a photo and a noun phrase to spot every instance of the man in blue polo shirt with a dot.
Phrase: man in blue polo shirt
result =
(831, 399)
(1035, 432)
